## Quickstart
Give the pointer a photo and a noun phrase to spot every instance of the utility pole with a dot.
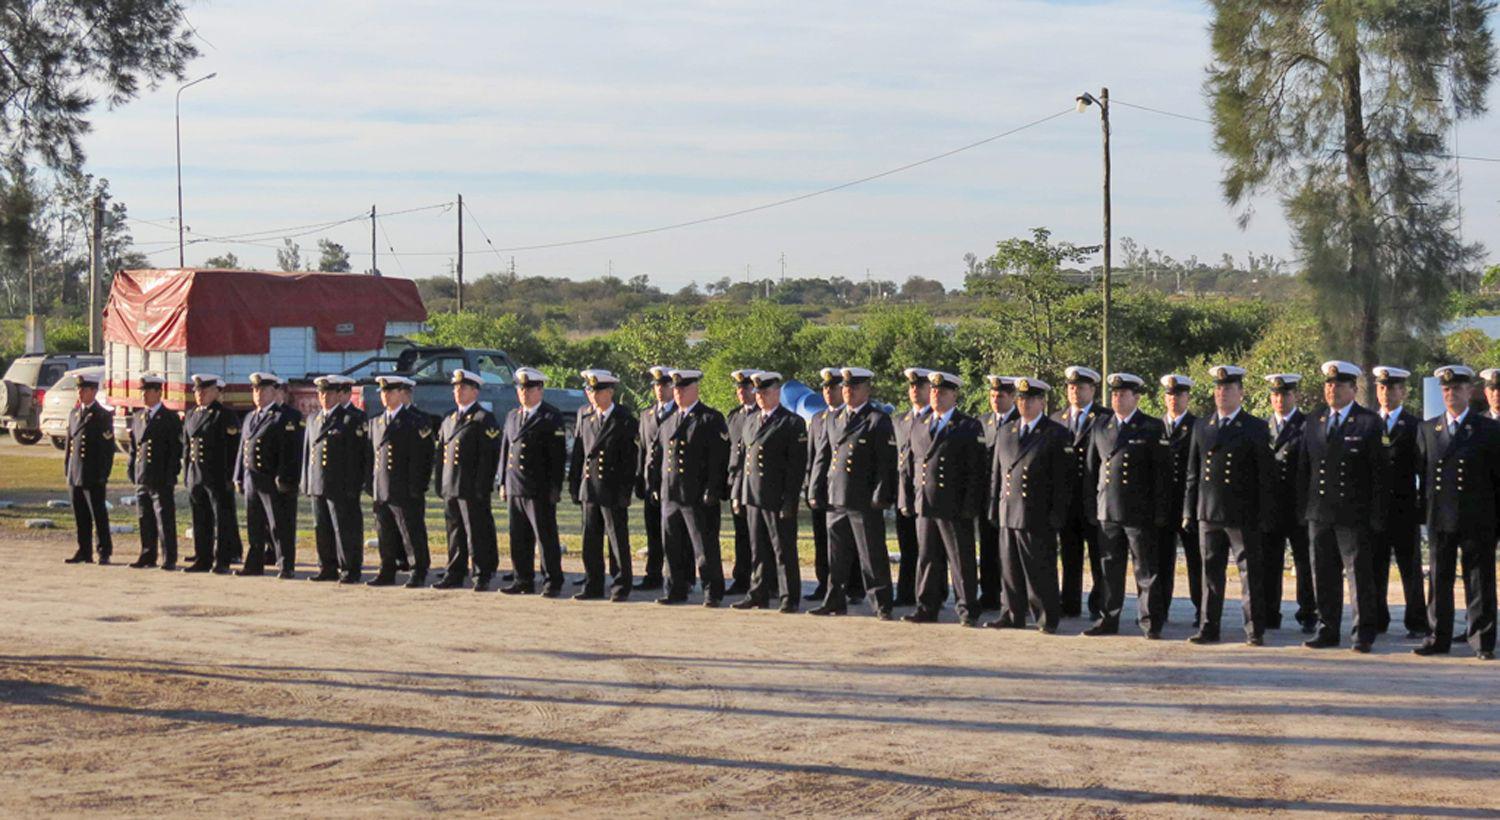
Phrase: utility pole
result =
(1084, 100)
(459, 268)
(96, 270)
(374, 268)
(177, 127)
(783, 267)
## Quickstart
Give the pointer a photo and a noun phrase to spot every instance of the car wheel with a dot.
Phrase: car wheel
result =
(27, 436)
(59, 442)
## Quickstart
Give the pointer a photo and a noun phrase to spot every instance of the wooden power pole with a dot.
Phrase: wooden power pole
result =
(96, 272)
(1104, 121)
(459, 268)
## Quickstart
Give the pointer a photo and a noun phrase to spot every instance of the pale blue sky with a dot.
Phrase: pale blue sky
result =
(570, 120)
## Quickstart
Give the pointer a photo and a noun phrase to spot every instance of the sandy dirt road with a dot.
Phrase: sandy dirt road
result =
(146, 693)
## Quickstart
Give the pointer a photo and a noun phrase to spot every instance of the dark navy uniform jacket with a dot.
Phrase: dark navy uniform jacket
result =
(1031, 480)
(469, 443)
(90, 453)
(534, 454)
(211, 443)
(860, 460)
(605, 454)
(270, 453)
(155, 449)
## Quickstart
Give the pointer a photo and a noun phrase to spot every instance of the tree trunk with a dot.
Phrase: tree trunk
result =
(1364, 274)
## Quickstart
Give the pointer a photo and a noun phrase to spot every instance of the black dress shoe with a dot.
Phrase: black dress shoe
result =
(711, 603)
(197, 568)
(104, 560)
(141, 563)
(286, 574)
(1322, 642)
(351, 577)
(244, 572)
(1202, 638)
(449, 581)
(325, 576)
(417, 580)
(382, 580)
(789, 607)
(1428, 649)
(1001, 623)
(222, 569)
(828, 610)
(518, 588)
(884, 615)
(169, 566)
(481, 583)
(550, 591)
(620, 594)
(647, 584)
(1101, 629)
(1153, 635)
(737, 588)
(748, 603)
(968, 621)
(921, 616)
(1362, 647)
(1047, 629)
(1254, 640)
(586, 595)
(672, 599)
(819, 593)
(1485, 654)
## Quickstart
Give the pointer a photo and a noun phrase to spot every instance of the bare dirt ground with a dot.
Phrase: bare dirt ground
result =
(146, 693)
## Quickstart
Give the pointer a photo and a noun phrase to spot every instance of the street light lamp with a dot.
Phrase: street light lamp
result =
(1084, 100)
(177, 115)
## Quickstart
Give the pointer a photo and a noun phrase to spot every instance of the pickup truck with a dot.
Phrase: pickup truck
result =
(432, 368)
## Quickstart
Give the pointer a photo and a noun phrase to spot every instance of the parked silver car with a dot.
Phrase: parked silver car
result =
(59, 401)
(24, 388)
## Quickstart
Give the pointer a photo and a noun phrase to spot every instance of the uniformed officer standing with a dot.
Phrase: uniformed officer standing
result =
(1460, 456)
(1342, 485)
(1030, 487)
(336, 461)
(771, 473)
(860, 462)
(1403, 514)
(1228, 494)
(918, 392)
(948, 492)
(744, 553)
(693, 462)
(268, 471)
(1177, 393)
(831, 381)
(470, 443)
(89, 459)
(1491, 379)
(402, 448)
(1131, 468)
(647, 485)
(155, 460)
(533, 460)
(211, 441)
(601, 475)
(1002, 412)
(1080, 531)
(1287, 527)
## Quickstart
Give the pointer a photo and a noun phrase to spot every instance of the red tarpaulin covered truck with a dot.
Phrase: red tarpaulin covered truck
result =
(233, 323)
